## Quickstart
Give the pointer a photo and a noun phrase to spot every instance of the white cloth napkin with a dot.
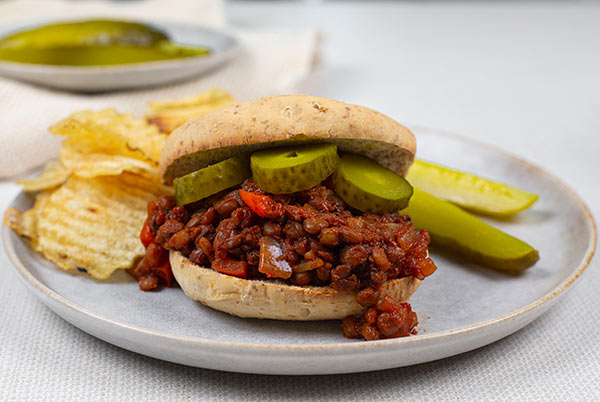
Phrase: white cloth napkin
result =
(269, 63)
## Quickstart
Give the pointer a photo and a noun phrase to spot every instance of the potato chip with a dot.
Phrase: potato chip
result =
(89, 165)
(93, 225)
(54, 175)
(12, 219)
(212, 96)
(109, 132)
(168, 115)
(108, 172)
(26, 223)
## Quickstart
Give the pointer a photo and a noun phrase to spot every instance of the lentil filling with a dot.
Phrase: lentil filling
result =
(306, 238)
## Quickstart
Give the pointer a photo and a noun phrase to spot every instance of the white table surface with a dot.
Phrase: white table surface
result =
(523, 77)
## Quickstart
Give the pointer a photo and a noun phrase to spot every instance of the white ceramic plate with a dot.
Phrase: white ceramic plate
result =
(461, 307)
(126, 76)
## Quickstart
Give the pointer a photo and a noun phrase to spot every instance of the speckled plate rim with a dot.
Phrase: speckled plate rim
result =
(141, 67)
(348, 346)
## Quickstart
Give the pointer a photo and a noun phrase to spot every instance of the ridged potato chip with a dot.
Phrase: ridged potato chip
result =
(93, 225)
(54, 175)
(25, 224)
(110, 132)
(168, 115)
(89, 165)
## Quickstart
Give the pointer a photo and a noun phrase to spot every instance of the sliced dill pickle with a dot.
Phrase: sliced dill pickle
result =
(290, 169)
(471, 192)
(211, 180)
(366, 185)
(454, 229)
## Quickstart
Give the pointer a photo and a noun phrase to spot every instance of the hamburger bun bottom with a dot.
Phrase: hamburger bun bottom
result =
(272, 299)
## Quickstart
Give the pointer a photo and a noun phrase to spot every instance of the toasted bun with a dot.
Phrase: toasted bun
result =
(286, 120)
(262, 299)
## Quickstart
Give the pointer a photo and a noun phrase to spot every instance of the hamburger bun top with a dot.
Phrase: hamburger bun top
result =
(286, 120)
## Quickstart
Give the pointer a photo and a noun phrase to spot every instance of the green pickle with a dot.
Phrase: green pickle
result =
(471, 192)
(92, 43)
(460, 232)
(84, 33)
(290, 169)
(211, 180)
(369, 187)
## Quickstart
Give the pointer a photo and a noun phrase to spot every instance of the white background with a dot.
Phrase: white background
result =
(523, 77)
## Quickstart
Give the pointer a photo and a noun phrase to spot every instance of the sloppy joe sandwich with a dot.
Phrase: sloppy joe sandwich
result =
(289, 208)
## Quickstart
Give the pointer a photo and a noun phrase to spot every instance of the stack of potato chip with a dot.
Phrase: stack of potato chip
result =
(90, 205)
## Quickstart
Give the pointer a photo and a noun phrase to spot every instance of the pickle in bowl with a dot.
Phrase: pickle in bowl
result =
(92, 43)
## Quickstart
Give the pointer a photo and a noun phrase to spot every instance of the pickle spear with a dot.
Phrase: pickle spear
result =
(100, 55)
(290, 169)
(84, 33)
(92, 43)
(471, 192)
(367, 186)
(211, 180)
(459, 231)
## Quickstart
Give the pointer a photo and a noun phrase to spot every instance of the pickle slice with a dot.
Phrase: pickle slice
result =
(460, 232)
(471, 192)
(366, 185)
(291, 169)
(211, 180)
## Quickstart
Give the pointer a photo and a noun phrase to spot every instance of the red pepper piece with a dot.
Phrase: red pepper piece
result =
(231, 267)
(262, 205)
(146, 235)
